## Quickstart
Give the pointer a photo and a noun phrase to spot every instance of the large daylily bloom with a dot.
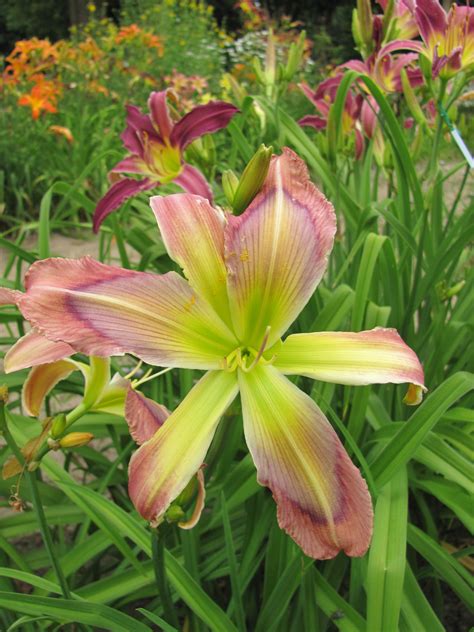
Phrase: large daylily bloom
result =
(448, 38)
(156, 145)
(248, 277)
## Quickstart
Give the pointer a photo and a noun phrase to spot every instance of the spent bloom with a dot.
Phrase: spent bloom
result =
(156, 145)
(247, 279)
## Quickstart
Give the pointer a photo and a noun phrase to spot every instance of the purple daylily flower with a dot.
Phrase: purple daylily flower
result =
(156, 145)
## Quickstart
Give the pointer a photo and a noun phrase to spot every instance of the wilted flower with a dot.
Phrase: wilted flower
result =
(248, 279)
(59, 130)
(157, 146)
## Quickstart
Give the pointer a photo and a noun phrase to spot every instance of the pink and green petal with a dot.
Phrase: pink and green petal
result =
(191, 180)
(116, 195)
(105, 310)
(377, 356)
(193, 233)
(34, 349)
(143, 416)
(164, 465)
(276, 251)
(42, 379)
(203, 119)
(159, 113)
(323, 501)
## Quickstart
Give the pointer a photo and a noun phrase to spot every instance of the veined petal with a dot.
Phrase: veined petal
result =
(143, 416)
(431, 19)
(42, 379)
(276, 251)
(193, 233)
(163, 466)
(105, 310)
(323, 501)
(377, 356)
(116, 195)
(34, 349)
(159, 113)
(203, 119)
(191, 180)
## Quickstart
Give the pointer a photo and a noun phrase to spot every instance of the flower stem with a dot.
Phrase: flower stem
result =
(158, 551)
(38, 507)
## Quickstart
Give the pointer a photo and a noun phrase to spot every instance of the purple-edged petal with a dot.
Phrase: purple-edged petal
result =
(159, 113)
(377, 356)
(143, 416)
(193, 233)
(203, 119)
(399, 45)
(191, 180)
(34, 349)
(105, 310)
(323, 501)
(116, 195)
(164, 465)
(276, 251)
(311, 120)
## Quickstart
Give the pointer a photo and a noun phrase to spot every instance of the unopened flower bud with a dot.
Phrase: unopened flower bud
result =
(75, 439)
(295, 55)
(365, 24)
(174, 514)
(230, 182)
(58, 426)
(411, 100)
(252, 179)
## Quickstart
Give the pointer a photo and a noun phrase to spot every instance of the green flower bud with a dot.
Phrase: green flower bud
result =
(252, 179)
(230, 182)
(58, 426)
(295, 56)
(411, 100)
(174, 513)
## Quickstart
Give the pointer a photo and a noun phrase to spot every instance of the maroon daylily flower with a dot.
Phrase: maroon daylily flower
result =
(156, 145)
(323, 97)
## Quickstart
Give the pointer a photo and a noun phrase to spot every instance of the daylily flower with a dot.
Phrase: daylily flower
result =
(385, 68)
(403, 23)
(248, 277)
(448, 38)
(322, 98)
(156, 147)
